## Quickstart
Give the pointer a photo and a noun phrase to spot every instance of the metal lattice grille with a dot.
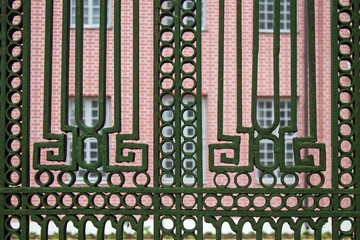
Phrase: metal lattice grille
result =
(89, 161)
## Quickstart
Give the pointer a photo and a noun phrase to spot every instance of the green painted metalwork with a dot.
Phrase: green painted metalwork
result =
(51, 193)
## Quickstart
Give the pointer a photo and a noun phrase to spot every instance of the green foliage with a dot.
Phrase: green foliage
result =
(147, 233)
(33, 236)
(327, 235)
(209, 235)
(110, 236)
(55, 236)
(307, 235)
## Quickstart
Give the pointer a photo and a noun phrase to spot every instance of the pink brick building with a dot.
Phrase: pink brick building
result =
(265, 153)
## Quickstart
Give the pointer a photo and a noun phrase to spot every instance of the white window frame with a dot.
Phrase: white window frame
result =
(187, 4)
(90, 6)
(89, 120)
(265, 117)
(266, 16)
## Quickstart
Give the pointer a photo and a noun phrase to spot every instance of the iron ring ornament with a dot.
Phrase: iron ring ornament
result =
(127, 184)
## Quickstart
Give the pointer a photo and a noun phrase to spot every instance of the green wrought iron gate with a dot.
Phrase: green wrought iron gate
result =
(163, 181)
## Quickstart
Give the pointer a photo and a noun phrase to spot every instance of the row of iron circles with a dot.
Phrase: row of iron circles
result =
(167, 100)
(167, 89)
(189, 126)
(13, 128)
(243, 180)
(273, 202)
(45, 178)
(13, 114)
(189, 139)
(89, 201)
(345, 86)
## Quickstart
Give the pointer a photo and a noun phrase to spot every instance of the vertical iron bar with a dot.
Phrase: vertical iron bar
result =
(220, 103)
(25, 181)
(102, 65)
(65, 57)
(356, 81)
(334, 96)
(306, 86)
(3, 151)
(79, 45)
(199, 126)
(48, 65)
(136, 62)
(239, 64)
(293, 39)
(276, 65)
(117, 66)
(312, 69)
(156, 119)
(177, 108)
(335, 113)
(255, 61)
(310, 79)
(177, 99)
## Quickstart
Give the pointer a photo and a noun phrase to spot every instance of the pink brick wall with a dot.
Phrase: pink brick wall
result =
(209, 73)
(265, 78)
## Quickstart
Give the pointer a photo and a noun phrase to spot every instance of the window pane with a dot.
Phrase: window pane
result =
(91, 13)
(187, 20)
(188, 4)
(261, 146)
(189, 165)
(93, 154)
(262, 25)
(86, 20)
(167, 4)
(167, 163)
(93, 145)
(266, 14)
(190, 132)
(189, 147)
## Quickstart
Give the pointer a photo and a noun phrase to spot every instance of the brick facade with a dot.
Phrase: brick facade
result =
(209, 73)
